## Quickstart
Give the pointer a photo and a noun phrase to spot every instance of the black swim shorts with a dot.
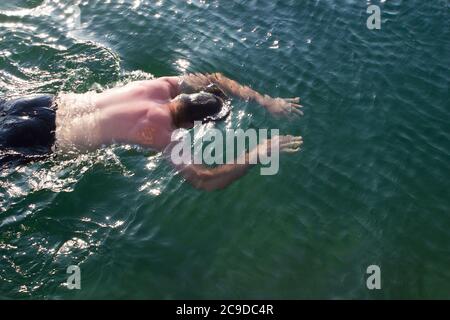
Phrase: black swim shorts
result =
(27, 128)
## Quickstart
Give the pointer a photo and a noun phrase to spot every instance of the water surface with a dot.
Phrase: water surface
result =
(369, 187)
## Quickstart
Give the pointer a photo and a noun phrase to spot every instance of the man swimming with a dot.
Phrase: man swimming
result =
(145, 113)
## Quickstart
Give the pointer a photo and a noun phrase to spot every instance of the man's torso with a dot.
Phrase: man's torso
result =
(136, 113)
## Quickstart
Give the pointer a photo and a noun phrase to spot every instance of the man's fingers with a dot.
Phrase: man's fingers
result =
(288, 138)
(295, 100)
(289, 143)
(292, 150)
(297, 111)
(285, 139)
(291, 138)
(295, 139)
(294, 108)
(293, 143)
(293, 146)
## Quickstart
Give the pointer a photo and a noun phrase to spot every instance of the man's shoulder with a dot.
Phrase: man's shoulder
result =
(168, 86)
(173, 83)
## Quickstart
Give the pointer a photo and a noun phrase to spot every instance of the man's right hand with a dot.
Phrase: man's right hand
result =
(282, 106)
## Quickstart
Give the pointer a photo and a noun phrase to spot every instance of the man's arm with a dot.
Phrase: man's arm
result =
(209, 179)
(277, 106)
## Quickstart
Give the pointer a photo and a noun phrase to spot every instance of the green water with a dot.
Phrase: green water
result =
(371, 185)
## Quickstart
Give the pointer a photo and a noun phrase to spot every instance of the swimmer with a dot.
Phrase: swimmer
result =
(145, 113)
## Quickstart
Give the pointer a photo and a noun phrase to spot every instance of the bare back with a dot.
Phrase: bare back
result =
(136, 113)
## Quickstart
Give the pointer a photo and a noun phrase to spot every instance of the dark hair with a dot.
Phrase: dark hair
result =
(202, 106)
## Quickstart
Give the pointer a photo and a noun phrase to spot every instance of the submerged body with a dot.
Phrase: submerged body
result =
(145, 113)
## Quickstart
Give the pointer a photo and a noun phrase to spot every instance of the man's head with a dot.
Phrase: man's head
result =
(205, 106)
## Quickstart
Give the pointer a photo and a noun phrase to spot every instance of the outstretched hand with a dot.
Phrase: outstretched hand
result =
(288, 143)
(284, 144)
(283, 106)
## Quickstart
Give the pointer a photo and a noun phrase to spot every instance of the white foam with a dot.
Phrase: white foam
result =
(77, 122)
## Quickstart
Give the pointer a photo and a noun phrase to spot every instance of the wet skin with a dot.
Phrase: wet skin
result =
(137, 113)
(141, 113)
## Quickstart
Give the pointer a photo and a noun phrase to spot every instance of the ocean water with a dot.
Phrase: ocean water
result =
(370, 186)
